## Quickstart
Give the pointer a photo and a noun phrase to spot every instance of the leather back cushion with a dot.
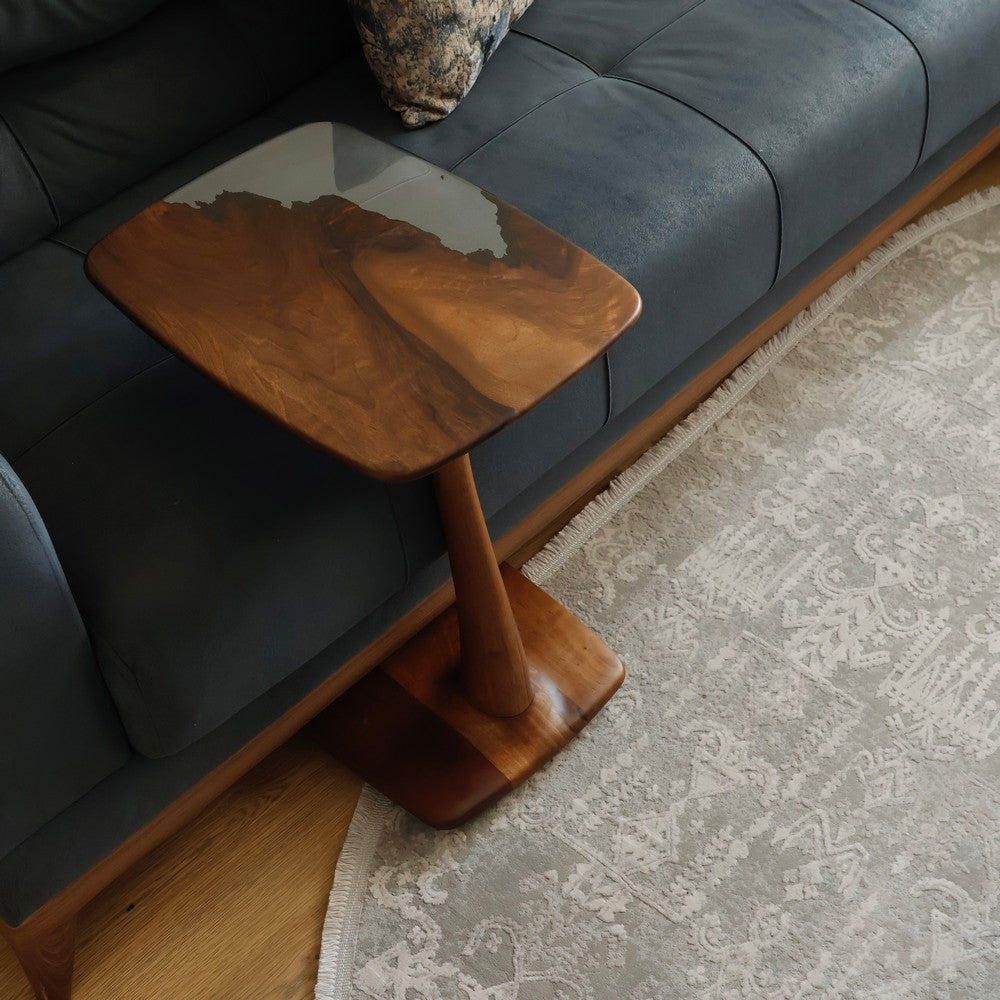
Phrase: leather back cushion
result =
(40, 29)
(78, 125)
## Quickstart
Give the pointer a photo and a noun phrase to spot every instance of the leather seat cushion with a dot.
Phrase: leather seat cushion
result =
(959, 43)
(828, 96)
(210, 552)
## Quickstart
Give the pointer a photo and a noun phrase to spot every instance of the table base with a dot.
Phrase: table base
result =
(409, 731)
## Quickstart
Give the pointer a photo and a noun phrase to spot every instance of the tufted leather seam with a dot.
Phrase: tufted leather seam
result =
(649, 38)
(609, 413)
(519, 119)
(403, 547)
(107, 392)
(923, 63)
(556, 48)
(743, 142)
(576, 58)
(54, 238)
(57, 222)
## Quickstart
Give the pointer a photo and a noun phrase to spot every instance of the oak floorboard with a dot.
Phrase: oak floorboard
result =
(232, 907)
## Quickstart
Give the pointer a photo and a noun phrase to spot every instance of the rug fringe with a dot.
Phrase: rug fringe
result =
(677, 440)
(350, 881)
(358, 853)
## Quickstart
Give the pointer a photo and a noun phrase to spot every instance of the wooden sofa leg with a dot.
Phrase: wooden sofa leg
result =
(46, 952)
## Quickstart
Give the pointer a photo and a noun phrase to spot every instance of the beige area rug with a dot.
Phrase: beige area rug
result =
(796, 793)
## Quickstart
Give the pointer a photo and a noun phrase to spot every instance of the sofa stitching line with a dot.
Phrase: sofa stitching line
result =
(611, 390)
(614, 66)
(53, 238)
(403, 547)
(923, 63)
(520, 119)
(57, 220)
(649, 38)
(548, 44)
(743, 142)
(107, 392)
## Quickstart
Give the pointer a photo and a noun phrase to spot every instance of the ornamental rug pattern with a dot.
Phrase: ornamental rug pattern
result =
(796, 793)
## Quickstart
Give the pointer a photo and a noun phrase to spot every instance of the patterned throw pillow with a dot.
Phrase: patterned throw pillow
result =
(426, 54)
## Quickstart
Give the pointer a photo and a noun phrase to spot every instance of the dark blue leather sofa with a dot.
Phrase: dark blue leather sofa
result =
(175, 571)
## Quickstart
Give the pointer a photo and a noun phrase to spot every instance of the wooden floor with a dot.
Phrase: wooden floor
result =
(232, 908)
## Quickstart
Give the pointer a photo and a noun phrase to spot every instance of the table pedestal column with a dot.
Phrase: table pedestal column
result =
(485, 695)
(494, 666)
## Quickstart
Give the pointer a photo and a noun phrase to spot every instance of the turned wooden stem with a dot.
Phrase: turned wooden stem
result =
(494, 668)
(46, 954)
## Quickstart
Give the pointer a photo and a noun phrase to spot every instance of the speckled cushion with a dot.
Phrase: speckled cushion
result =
(426, 54)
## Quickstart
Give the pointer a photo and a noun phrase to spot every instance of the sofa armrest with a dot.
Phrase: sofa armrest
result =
(59, 731)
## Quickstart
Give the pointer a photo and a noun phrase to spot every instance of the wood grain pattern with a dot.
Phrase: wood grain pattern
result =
(363, 334)
(200, 956)
(46, 952)
(409, 730)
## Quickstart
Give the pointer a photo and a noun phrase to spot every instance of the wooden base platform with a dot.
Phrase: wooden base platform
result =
(408, 729)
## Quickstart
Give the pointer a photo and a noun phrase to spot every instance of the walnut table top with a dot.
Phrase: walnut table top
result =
(384, 309)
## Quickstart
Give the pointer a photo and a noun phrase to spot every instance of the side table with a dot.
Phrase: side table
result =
(395, 315)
